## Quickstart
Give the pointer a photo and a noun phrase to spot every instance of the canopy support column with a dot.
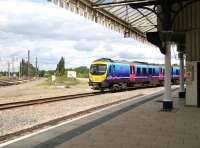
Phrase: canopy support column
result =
(182, 89)
(167, 101)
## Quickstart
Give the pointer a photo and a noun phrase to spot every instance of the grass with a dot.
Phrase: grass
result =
(3, 77)
(60, 81)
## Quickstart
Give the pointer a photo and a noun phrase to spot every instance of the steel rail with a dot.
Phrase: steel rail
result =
(18, 104)
(9, 136)
(46, 100)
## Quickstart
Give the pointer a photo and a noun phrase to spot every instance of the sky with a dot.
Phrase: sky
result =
(50, 32)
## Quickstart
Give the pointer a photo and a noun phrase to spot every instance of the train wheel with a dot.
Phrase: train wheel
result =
(124, 86)
(101, 90)
(115, 88)
(161, 83)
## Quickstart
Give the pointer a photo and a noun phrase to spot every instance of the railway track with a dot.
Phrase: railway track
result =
(9, 82)
(6, 83)
(22, 132)
(46, 100)
(56, 121)
(18, 104)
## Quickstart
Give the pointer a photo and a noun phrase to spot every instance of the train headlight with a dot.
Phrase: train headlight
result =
(103, 79)
(109, 78)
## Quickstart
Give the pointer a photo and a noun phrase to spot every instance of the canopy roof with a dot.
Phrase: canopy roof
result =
(141, 19)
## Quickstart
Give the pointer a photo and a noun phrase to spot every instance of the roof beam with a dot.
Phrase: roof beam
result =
(134, 20)
(101, 16)
(143, 4)
(133, 3)
(96, 2)
(146, 17)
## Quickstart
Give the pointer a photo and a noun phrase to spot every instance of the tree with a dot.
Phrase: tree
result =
(41, 73)
(60, 69)
(82, 71)
(24, 68)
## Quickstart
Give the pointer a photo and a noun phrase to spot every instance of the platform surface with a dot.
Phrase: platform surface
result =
(134, 124)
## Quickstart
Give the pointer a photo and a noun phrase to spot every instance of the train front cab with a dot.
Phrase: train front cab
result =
(97, 75)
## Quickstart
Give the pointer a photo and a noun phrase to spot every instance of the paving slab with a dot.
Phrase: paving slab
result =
(136, 123)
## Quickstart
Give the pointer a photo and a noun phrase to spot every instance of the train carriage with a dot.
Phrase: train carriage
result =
(115, 75)
(175, 72)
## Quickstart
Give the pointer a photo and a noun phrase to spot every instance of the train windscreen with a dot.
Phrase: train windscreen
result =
(98, 69)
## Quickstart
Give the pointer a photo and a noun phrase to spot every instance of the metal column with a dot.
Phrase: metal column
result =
(198, 84)
(167, 101)
(182, 89)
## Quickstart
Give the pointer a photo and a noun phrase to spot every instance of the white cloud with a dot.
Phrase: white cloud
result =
(50, 32)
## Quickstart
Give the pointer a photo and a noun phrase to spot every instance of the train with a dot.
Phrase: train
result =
(116, 75)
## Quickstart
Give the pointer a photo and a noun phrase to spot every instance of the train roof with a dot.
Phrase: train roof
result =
(129, 62)
(126, 62)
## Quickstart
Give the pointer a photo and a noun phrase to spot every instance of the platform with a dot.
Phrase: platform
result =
(134, 124)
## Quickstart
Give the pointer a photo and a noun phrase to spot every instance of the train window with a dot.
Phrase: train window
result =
(144, 71)
(102, 68)
(177, 72)
(113, 68)
(150, 71)
(110, 69)
(93, 69)
(138, 70)
(98, 69)
(154, 71)
(157, 71)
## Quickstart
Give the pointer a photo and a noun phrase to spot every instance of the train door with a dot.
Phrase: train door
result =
(132, 72)
(113, 70)
(149, 73)
(109, 75)
(160, 73)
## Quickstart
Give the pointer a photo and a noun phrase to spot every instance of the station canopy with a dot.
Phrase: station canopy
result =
(141, 19)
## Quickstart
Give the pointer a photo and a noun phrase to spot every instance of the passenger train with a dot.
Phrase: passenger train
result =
(115, 75)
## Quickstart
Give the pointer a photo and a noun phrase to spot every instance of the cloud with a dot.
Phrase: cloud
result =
(50, 32)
